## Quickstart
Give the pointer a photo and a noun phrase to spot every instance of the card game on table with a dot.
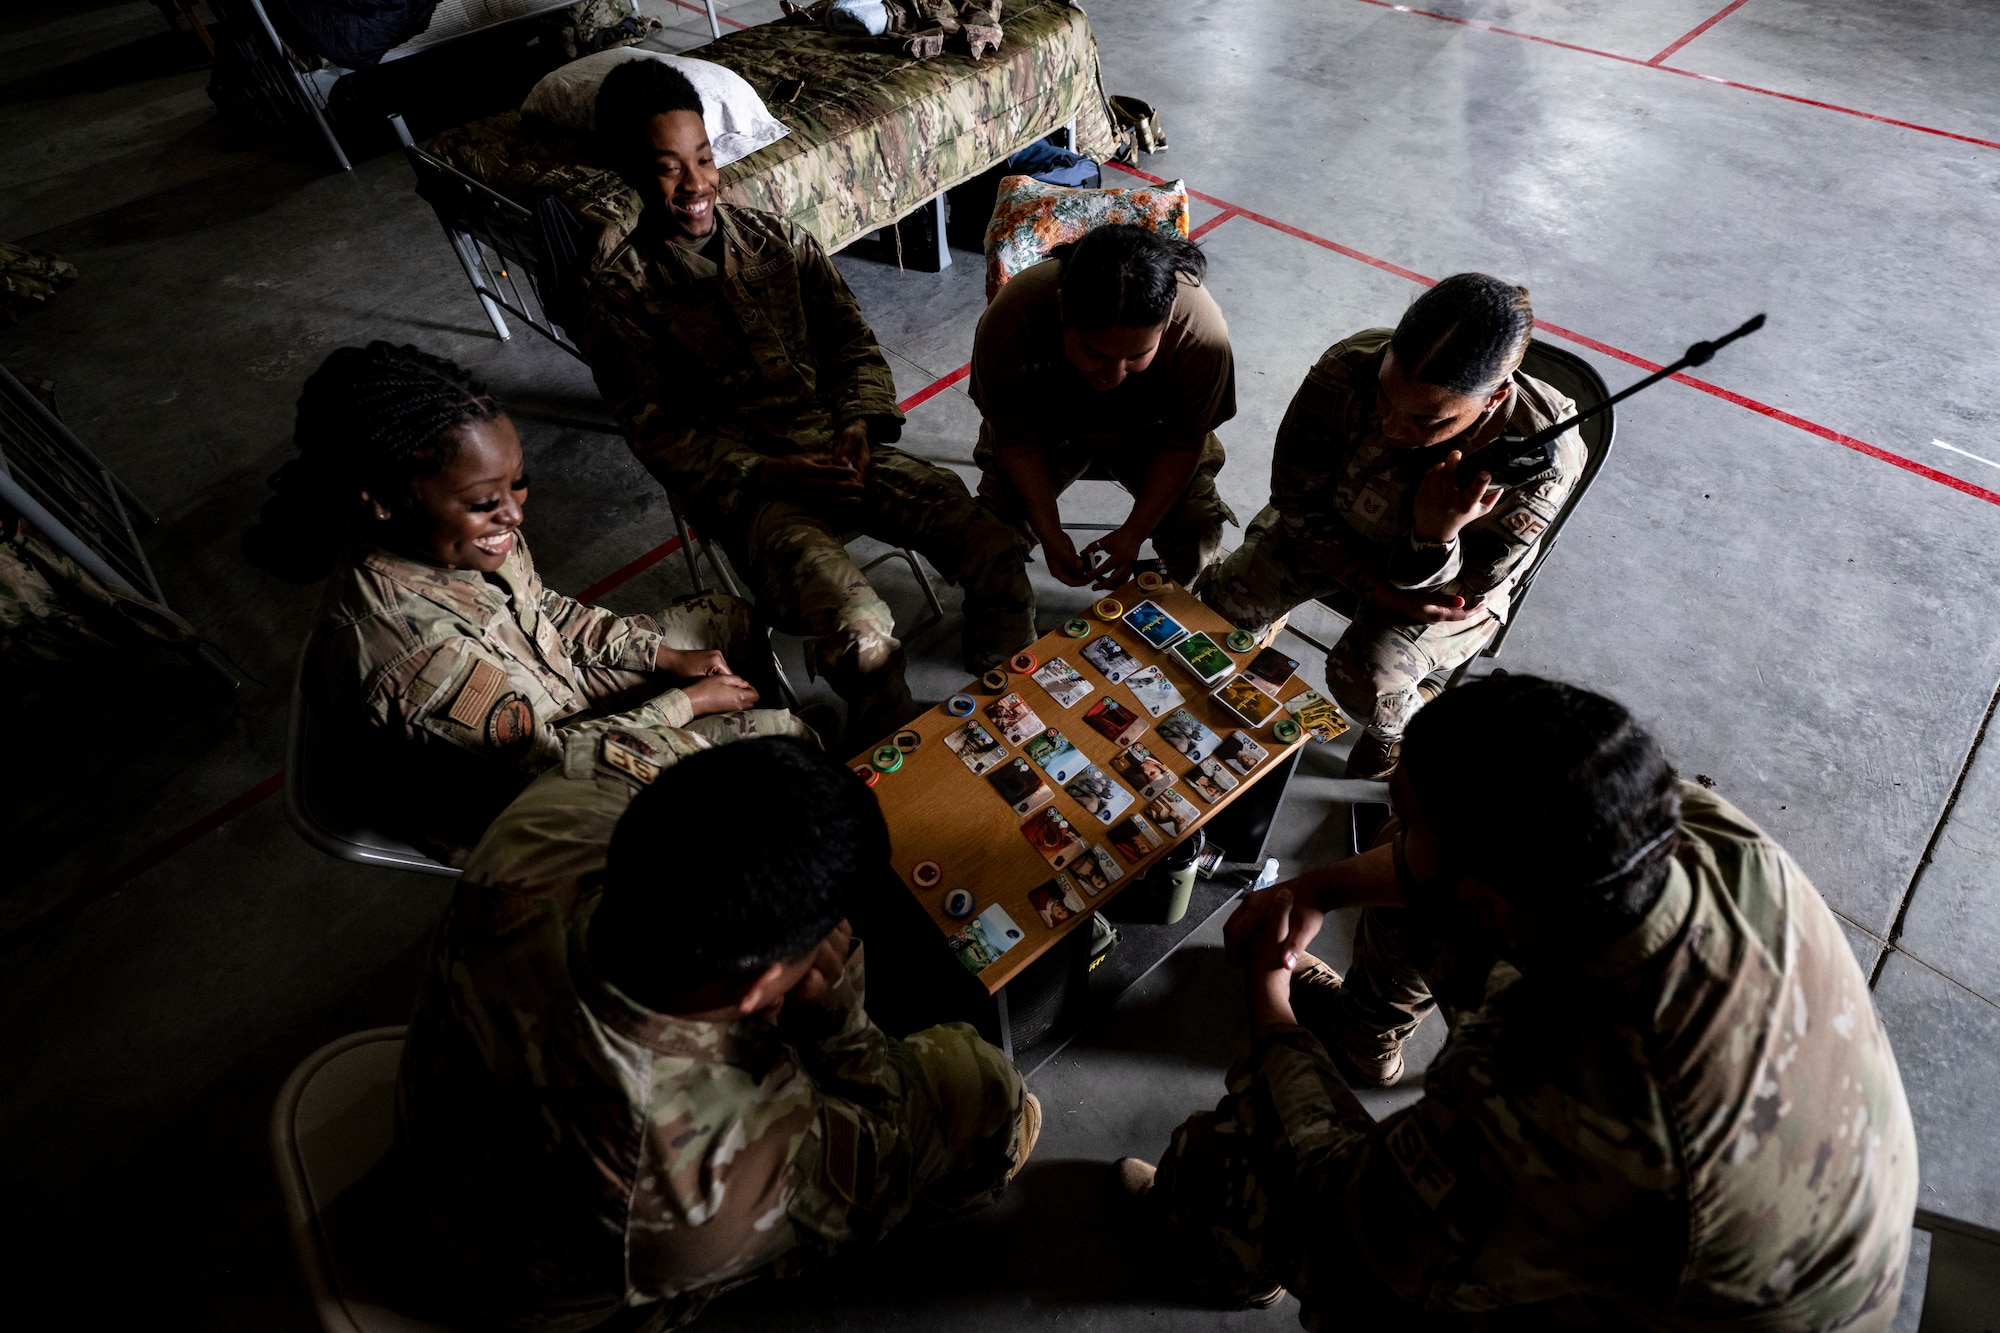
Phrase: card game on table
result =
(1039, 824)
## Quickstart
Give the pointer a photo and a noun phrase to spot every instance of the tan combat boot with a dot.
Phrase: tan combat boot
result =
(865, 669)
(1365, 1060)
(1374, 759)
(1031, 1132)
(1132, 1180)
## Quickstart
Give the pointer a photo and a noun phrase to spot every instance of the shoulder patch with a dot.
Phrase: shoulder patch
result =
(1524, 523)
(475, 699)
(510, 725)
(627, 760)
(1419, 1162)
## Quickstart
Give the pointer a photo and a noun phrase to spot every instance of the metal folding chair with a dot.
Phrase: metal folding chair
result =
(1568, 374)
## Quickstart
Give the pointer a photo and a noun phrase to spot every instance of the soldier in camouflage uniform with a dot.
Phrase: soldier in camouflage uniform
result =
(1364, 511)
(640, 1071)
(1666, 1101)
(747, 381)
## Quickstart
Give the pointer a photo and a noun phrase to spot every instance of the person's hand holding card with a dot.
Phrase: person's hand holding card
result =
(720, 694)
(1111, 557)
(1064, 563)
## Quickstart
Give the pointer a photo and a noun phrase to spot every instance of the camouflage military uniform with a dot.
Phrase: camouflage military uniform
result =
(581, 1155)
(1701, 1127)
(458, 664)
(28, 278)
(711, 370)
(1342, 505)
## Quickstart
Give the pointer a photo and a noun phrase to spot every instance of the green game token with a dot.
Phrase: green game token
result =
(1241, 641)
(887, 759)
(1286, 730)
(1076, 629)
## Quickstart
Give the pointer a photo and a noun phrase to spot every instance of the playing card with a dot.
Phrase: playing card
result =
(1013, 719)
(1094, 790)
(1114, 720)
(1204, 657)
(984, 938)
(1151, 622)
(1020, 786)
(1148, 776)
(1242, 697)
(976, 746)
(1240, 752)
(1053, 836)
(1155, 693)
(1134, 838)
(1058, 758)
(1097, 871)
(1269, 670)
(1110, 658)
(1211, 780)
(1171, 811)
(1184, 732)
(1316, 715)
(1062, 682)
(1057, 901)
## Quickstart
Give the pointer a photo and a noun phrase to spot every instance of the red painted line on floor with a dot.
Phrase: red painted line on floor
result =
(724, 18)
(935, 387)
(1727, 395)
(1699, 29)
(632, 570)
(1210, 225)
(1687, 74)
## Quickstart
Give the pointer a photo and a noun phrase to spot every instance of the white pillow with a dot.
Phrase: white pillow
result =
(738, 125)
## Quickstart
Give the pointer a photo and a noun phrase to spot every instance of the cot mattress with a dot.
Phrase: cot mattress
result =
(875, 134)
(455, 18)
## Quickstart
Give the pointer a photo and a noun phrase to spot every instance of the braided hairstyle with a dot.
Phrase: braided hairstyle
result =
(1465, 334)
(1126, 277)
(369, 419)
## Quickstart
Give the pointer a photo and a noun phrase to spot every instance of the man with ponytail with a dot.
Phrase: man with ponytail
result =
(1109, 356)
(1367, 513)
(437, 645)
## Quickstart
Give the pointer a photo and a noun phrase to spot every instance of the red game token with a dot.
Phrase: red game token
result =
(1023, 662)
(867, 774)
(926, 874)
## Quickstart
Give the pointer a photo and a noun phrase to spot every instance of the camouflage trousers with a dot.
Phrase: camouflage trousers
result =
(1373, 670)
(795, 557)
(1186, 540)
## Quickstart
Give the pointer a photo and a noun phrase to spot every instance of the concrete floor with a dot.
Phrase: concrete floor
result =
(1778, 571)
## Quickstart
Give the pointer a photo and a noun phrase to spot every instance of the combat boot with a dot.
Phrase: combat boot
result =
(1364, 1059)
(1373, 759)
(866, 669)
(1132, 1181)
(1031, 1131)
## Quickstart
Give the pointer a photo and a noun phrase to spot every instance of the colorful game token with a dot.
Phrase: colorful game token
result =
(996, 679)
(1286, 730)
(1151, 582)
(926, 874)
(887, 759)
(867, 774)
(1023, 663)
(961, 705)
(1241, 641)
(1077, 629)
(958, 904)
(1109, 608)
(907, 740)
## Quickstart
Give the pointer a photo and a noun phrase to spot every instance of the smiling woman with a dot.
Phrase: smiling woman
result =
(437, 643)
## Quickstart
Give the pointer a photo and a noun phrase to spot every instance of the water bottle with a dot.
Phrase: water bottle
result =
(1267, 876)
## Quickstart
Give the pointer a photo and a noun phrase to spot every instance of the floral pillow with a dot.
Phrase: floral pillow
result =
(1030, 219)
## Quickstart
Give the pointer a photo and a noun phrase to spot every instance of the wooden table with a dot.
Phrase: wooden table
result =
(939, 810)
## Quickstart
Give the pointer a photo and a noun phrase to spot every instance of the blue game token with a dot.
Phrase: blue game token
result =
(958, 904)
(960, 705)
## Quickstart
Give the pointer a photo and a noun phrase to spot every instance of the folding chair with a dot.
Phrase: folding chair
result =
(1962, 1284)
(1568, 374)
(322, 782)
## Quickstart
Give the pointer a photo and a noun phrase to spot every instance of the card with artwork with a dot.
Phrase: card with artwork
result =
(1138, 766)
(1204, 657)
(984, 938)
(1013, 719)
(1062, 682)
(1184, 732)
(1155, 693)
(1134, 838)
(1316, 715)
(1269, 670)
(1057, 901)
(1240, 752)
(1054, 837)
(1094, 790)
(1242, 697)
(1097, 871)
(976, 746)
(1020, 786)
(1057, 757)
(1110, 658)
(1172, 813)
(1115, 721)
(1150, 622)
(1211, 780)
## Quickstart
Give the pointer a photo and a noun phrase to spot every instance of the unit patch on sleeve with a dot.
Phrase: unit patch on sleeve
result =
(511, 724)
(475, 698)
(1420, 1163)
(627, 759)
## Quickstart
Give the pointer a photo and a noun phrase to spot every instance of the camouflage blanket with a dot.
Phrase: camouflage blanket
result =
(875, 134)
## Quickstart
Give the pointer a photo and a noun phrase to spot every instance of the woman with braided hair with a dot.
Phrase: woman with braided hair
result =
(437, 640)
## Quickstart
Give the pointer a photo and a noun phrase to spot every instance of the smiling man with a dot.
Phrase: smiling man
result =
(1366, 511)
(748, 383)
(1110, 355)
